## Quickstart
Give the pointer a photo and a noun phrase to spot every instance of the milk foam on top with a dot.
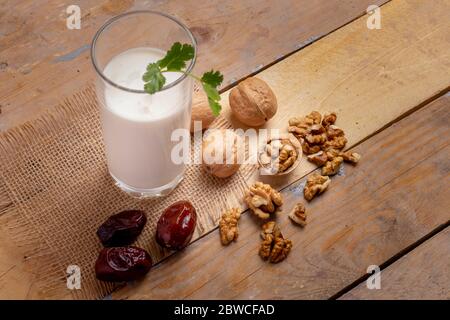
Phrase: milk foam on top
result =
(126, 70)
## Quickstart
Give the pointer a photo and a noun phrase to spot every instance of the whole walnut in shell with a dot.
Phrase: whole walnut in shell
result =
(222, 152)
(253, 102)
(201, 110)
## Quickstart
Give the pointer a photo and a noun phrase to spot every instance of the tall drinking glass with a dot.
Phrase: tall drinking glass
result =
(137, 126)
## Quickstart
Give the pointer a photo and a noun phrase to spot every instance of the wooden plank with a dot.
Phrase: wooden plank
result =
(42, 61)
(370, 77)
(369, 214)
(422, 274)
(15, 281)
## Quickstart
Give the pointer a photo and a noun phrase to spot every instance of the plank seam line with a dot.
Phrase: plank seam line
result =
(392, 260)
(287, 55)
(402, 173)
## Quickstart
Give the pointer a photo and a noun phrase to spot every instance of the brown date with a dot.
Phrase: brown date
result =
(122, 264)
(176, 225)
(122, 229)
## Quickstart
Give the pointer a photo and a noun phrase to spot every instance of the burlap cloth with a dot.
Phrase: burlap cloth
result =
(55, 191)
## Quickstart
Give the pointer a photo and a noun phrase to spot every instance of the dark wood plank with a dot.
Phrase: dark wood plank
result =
(422, 274)
(42, 61)
(368, 215)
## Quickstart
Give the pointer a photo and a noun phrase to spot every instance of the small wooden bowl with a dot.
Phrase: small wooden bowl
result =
(293, 141)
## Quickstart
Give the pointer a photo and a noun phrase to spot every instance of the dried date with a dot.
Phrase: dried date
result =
(122, 229)
(122, 264)
(176, 225)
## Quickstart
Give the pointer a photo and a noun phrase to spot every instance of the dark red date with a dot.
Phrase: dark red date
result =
(176, 225)
(122, 264)
(122, 229)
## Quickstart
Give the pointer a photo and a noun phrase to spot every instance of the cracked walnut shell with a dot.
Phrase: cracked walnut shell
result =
(263, 200)
(298, 214)
(274, 247)
(280, 155)
(228, 226)
(315, 185)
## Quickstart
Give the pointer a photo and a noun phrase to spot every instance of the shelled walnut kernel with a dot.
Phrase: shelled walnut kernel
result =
(315, 185)
(351, 157)
(322, 158)
(263, 200)
(331, 167)
(329, 119)
(298, 214)
(228, 226)
(316, 133)
(322, 141)
(274, 247)
(300, 126)
(318, 158)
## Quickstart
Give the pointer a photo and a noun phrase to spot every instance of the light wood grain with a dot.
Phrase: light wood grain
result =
(42, 61)
(368, 215)
(422, 274)
(15, 280)
(369, 77)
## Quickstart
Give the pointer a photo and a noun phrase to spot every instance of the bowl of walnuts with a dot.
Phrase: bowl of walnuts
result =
(279, 155)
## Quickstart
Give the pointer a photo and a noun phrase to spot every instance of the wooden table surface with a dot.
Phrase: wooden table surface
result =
(390, 86)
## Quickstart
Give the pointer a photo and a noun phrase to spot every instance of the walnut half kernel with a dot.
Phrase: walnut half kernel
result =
(331, 160)
(298, 214)
(274, 247)
(263, 200)
(332, 167)
(315, 185)
(351, 157)
(228, 226)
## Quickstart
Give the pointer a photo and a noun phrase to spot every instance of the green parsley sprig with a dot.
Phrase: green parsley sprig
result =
(175, 61)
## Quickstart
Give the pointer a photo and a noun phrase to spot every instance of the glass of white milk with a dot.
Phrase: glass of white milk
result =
(137, 126)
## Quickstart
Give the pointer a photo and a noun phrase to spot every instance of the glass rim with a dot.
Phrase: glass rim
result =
(120, 16)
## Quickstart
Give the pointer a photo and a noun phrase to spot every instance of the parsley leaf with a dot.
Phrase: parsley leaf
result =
(176, 57)
(175, 61)
(213, 78)
(210, 81)
(153, 78)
